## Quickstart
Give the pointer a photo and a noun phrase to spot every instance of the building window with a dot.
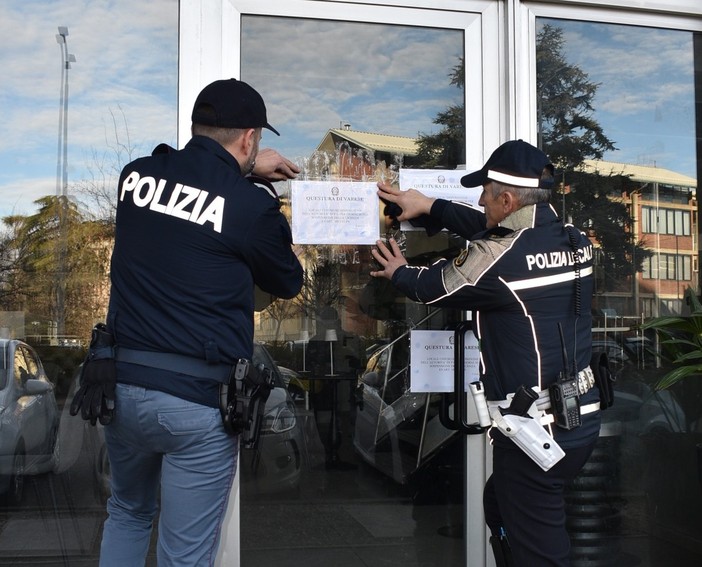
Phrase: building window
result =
(668, 267)
(665, 221)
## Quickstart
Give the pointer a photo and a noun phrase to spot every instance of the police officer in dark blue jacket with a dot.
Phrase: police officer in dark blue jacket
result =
(528, 280)
(194, 237)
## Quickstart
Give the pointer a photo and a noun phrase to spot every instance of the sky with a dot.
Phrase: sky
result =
(314, 76)
(645, 99)
(125, 71)
(375, 77)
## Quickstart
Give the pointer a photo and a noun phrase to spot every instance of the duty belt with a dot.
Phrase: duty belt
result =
(585, 380)
(179, 363)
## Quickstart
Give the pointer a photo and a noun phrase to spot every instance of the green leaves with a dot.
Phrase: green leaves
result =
(681, 342)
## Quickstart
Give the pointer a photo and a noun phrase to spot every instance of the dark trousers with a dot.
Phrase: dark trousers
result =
(527, 503)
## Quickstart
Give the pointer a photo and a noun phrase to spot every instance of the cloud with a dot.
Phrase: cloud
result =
(126, 58)
(377, 77)
(645, 98)
(314, 75)
(19, 194)
(658, 64)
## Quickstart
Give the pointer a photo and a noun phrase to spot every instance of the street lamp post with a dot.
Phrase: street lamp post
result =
(62, 178)
(66, 60)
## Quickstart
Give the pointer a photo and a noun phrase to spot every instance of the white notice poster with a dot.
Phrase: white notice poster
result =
(335, 212)
(431, 361)
(439, 183)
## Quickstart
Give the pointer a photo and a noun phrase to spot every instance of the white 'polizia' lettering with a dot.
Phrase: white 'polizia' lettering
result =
(557, 259)
(185, 202)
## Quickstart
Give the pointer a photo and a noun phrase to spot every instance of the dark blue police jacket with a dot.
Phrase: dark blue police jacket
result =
(519, 279)
(192, 238)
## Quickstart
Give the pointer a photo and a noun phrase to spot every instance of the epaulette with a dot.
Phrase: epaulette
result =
(495, 231)
(264, 184)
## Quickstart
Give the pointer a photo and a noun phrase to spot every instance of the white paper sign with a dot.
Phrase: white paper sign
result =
(335, 212)
(431, 361)
(441, 184)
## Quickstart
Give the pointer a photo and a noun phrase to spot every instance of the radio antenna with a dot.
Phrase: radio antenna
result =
(564, 352)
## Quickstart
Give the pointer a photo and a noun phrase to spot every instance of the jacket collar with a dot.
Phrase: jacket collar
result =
(530, 216)
(209, 145)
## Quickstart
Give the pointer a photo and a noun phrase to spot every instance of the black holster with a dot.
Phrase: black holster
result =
(242, 401)
(604, 379)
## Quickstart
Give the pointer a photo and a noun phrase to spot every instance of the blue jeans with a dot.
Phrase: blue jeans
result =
(159, 439)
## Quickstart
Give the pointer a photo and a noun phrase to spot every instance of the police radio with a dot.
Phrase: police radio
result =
(564, 395)
(565, 403)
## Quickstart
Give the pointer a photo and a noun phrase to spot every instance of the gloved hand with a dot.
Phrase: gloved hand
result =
(429, 224)
(95, 398)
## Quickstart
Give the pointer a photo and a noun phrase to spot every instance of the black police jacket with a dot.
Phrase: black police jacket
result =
(193, 237)
(521, 281)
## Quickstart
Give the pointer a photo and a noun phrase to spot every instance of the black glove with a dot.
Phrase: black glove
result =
(429, 224)
(95, 397)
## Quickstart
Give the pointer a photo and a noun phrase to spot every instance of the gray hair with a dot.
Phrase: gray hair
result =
(525, 195)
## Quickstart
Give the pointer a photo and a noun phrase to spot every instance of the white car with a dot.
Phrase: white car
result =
(29, 419)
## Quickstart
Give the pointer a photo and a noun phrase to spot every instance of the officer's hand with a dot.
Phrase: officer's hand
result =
(273, 166)
(95, 399)
(389, 259)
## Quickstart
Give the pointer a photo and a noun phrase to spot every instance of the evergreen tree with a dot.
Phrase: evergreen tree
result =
(593, 203)
(47, 255)
(568, 133)
(446, 149)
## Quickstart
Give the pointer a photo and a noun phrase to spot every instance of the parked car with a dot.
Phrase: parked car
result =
(274, 466)
(29, 418)
(399, 432)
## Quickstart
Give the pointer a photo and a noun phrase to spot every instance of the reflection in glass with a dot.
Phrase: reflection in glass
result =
(615, 113)
(358, 102)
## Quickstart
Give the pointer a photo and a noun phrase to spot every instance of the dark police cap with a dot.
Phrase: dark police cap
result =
(514, 163)
(229, 103)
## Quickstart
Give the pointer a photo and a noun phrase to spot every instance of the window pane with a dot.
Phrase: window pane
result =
(616, 114)
(358, 101)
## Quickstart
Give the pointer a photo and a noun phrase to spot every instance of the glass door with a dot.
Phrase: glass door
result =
(354, 467)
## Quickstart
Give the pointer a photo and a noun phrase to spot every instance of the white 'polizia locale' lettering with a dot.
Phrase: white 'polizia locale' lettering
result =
(185, 202)
(557, 259)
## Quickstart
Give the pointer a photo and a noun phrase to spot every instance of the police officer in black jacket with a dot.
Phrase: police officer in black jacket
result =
(528, 280)
(194, 236)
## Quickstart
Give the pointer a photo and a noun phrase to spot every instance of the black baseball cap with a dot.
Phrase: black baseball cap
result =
(229, 103)
(513, 163)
